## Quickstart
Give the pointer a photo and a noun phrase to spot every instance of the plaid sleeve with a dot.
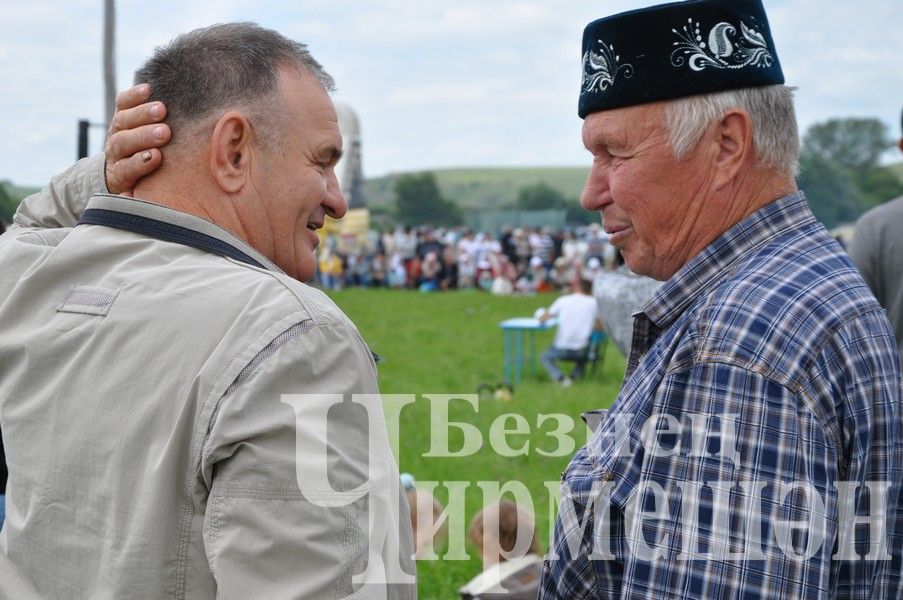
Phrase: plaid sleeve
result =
(863, 371)
(738, 482)
(747, 511)
(739, 503)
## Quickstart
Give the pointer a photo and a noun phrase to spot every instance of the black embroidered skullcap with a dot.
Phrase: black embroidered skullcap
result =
(676, 50)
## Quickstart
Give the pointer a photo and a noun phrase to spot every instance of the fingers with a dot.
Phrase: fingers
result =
(136, 131)
(124, 173)
(132, 154)
(133, 96)
(136, 124)
(128, 142)
(135, 116)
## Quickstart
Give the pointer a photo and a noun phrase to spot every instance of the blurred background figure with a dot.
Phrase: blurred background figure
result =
(430, 272)
(511, 566)
(577, 317)
(877, 249)
(425, 514)
(331, 270)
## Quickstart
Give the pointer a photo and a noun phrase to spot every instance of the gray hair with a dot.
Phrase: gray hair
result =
(216, 67)
(770, 107)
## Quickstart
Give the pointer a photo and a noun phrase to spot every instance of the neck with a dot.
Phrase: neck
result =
(720, 209)
(752, 191)
(184, 194)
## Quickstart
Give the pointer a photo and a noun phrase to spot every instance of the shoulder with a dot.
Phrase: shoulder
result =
(259, 293)
(784, 303)
(876, 216)
(235, 313)
(876, 226)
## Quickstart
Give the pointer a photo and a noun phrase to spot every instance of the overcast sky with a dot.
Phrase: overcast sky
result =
(435, 83)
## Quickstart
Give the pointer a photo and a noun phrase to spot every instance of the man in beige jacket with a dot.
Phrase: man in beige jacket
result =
(184, 418)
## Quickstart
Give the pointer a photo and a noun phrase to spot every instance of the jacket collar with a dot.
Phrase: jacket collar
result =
(162, 223)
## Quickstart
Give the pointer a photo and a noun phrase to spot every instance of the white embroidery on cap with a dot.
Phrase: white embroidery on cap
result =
(725, 50)
(600, 69)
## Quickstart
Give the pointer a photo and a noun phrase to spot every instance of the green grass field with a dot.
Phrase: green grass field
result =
(448, 344)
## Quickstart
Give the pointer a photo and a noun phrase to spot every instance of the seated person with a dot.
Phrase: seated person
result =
(425, 514)
(576, 315)
(511, 566)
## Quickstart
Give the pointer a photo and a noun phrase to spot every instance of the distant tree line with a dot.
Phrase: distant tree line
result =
(418, 201)
(839, 173)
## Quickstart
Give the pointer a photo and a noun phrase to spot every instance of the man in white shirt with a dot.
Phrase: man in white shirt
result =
(576, 314)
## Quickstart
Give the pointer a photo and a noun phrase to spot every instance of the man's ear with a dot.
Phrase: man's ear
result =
(734, 143)
(230, 151)
(901, 144)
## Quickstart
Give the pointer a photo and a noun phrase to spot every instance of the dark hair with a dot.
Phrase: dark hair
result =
(586, 286)
(222, 65)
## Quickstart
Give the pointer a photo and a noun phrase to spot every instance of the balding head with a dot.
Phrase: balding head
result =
(201, 74)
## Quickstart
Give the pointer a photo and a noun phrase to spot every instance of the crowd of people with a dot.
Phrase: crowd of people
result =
(518, 260)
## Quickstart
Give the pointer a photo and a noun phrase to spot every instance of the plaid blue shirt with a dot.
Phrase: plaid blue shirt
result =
(764, 362)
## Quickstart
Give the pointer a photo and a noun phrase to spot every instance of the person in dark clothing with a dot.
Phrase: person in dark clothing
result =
(429, 244)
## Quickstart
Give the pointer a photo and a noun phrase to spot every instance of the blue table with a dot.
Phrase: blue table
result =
(514, 332)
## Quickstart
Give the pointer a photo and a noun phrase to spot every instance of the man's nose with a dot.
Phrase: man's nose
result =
(336, 206)
(595, 195)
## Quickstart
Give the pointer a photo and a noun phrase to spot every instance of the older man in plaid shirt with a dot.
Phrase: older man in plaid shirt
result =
(754, 450)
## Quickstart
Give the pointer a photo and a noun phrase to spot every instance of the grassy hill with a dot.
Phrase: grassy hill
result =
(897, 169)
(494, 188)
(486, 188)
(10, 196)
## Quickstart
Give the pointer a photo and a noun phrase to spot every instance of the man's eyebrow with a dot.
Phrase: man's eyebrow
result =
(615, 138)
(334, 154)
(607, 139)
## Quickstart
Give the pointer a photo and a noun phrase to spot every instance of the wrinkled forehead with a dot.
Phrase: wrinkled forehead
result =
(620, 126)
(310, 110)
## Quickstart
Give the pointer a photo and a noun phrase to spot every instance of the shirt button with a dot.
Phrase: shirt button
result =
(607, 476)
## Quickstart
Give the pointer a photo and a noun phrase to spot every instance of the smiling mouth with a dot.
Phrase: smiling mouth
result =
(314, 226)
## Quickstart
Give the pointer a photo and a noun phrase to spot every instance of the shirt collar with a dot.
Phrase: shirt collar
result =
(160, 222)
(719, 258)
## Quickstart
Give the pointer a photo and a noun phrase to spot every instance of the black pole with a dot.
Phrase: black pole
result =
(83, 125)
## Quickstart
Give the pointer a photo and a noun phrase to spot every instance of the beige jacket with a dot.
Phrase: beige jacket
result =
(172, 408)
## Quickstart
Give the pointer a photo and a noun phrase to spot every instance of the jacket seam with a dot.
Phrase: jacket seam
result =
(234, 366)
